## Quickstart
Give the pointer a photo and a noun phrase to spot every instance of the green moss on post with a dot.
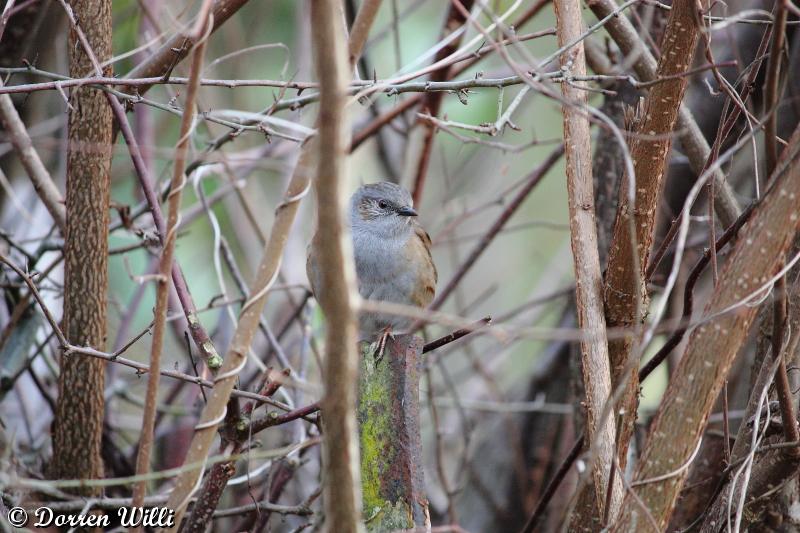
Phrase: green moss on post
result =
(391, 452)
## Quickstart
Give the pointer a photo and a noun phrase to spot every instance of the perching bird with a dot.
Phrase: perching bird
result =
(392, 257)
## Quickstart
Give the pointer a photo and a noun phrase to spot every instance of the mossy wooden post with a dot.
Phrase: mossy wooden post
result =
(391, 449)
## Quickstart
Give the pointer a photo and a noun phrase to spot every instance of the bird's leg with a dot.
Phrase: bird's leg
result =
(385, 335)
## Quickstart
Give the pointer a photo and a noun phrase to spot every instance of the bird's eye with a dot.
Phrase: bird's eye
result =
(383, 204)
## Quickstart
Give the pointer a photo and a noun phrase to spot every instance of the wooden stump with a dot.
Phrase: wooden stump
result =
(389, 434)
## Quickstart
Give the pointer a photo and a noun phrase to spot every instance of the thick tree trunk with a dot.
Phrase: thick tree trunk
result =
(78, 423)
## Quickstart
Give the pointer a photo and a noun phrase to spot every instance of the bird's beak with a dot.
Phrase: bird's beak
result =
(406, 212)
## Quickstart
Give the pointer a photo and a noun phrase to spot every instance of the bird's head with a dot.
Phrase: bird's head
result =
(384, 209)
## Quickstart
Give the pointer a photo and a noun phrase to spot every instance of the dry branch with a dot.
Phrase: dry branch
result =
(177, 48)
(600, 430)
(166, 260)
(342, 482)
(692, 140)
(696, 382)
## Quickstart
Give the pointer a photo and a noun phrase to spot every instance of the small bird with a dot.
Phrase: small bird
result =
(392, 257)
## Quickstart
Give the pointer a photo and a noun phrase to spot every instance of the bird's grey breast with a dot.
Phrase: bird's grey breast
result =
(381, 269)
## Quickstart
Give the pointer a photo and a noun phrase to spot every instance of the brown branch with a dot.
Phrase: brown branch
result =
(625, 292)
(166, 260)
(695, 384)
(452, 337)
(342, 482)
(78, 421)
(177, 48)
(600, 432)
(772, 90)
(273, 419)
(692, 140)
(772, 94)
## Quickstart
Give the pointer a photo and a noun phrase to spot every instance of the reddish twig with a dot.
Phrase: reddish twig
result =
(533, 179)
(447, 339)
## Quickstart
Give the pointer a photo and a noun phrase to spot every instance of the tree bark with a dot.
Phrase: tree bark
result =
(78, 423)
(697, 381)
(600, 423)
(625, 292)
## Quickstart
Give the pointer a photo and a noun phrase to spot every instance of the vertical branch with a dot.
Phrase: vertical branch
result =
(600, 432)
(167, 255)
(360, 30)
(772, 86)
(696, 383)
(342, 490)
(772, 95)
(625, 291)
(266, 274)
(78, 422)
(697, 150)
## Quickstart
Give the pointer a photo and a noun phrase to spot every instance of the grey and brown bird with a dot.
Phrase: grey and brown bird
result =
(392, 257)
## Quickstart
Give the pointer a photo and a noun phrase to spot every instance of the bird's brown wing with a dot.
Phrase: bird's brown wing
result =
(420, 251)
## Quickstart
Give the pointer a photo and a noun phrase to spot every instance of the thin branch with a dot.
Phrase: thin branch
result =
(166, 260)
(452, 337)
(600, 430)
(433, 101)
(266, 274)
(331, 244)
(533, 179)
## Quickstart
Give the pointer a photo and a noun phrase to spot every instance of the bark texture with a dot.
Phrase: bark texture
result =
(600, 430)
(697, 381)
(78, 424)
(625, 291)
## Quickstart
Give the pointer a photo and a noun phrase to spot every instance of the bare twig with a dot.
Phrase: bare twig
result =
(447, 339)
(534, 178)
(166, 260)
(40, 178)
